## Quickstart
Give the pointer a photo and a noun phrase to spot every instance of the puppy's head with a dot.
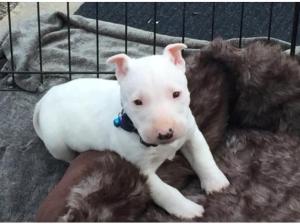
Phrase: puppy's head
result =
(154, 93)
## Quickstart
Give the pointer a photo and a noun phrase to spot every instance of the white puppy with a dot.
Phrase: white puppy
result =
(144, 116)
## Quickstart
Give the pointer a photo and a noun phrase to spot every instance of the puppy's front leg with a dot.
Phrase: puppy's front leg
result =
(197, 152)
(172, 200)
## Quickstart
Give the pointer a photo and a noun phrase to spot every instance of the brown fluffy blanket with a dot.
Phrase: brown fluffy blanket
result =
(247, 103)
(97, 186)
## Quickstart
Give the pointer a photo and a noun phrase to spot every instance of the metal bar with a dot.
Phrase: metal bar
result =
(183, 21)
(97, 38)
(56, 72)
(154, 27)
(69, 41)
(40, 41)
(295, 28)
(213, 20)
(11, 43)
(270, 20)
(241, 25)
(126, 27)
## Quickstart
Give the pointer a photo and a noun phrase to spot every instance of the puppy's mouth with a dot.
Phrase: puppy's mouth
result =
(161, 142)
(164, 142)
(147, 144)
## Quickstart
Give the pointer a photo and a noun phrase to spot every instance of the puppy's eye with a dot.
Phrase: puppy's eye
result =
(138, 102)
(176, 94)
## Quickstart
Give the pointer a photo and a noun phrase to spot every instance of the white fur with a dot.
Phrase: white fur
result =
(79, 115)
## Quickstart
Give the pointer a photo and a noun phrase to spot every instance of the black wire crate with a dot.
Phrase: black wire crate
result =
(157, 13)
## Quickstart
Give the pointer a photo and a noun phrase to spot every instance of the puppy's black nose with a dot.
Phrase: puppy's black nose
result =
(166, 136)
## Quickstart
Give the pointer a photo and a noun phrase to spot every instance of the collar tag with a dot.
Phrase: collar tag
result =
(118, 121)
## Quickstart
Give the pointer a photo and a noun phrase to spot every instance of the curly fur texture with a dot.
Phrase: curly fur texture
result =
(98, 186)
(211, 85)
(263, 86)
(264, 174)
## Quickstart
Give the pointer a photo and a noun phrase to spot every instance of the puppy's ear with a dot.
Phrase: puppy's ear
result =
(121, 62)
(173, 51)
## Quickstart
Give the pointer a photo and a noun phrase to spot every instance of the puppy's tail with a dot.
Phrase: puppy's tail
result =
(36, 118)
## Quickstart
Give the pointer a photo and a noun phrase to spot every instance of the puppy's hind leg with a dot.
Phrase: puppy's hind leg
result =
(60, 150)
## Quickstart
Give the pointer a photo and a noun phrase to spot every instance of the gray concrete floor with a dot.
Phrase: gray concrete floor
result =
(199, 18)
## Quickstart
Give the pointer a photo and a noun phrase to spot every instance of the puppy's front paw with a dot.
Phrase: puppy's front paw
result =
(186, 210)
(214, 182)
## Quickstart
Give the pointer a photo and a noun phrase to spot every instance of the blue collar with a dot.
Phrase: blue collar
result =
(124, 122)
